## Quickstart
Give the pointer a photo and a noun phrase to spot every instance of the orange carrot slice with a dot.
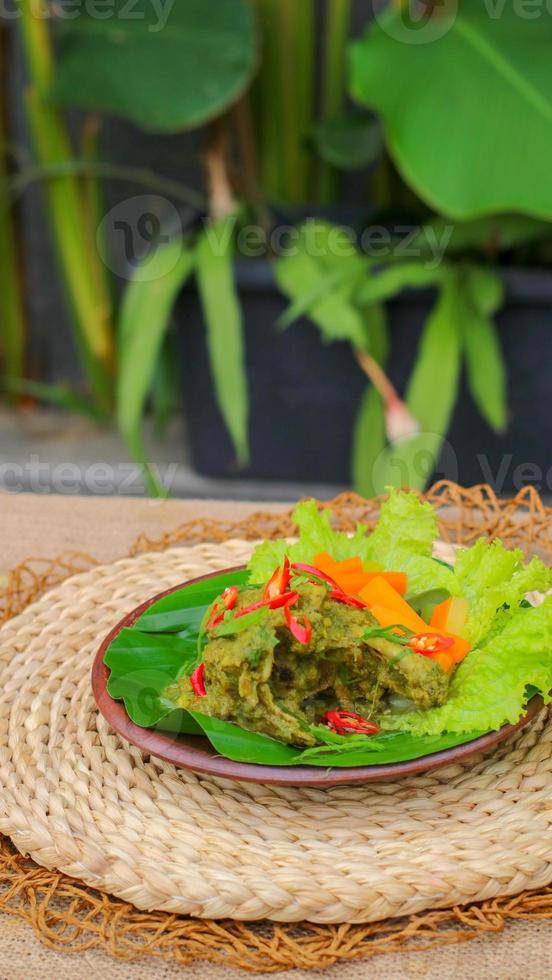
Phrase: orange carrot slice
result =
(444, 660)
(387, 616)
(353, 565)
(460, 649)
(398, 580)
(379, 592)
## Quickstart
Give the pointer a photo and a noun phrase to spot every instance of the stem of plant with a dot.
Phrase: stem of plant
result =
(266, 96)
(399, 421)
(11, 293)
(245, 137)
(30, 174)
(293, 46)
(93, 328)
(305, 59)
(94, 211)
(221, 197)
(336, 34)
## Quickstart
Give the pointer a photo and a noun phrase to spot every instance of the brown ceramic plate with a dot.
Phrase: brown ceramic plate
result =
(196, 753)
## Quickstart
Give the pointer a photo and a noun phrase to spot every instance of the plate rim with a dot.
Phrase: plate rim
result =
(198, 758)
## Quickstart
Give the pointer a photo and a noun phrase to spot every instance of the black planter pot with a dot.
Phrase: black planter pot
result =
(305, 394)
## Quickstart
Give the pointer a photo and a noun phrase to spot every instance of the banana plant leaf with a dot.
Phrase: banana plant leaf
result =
(164, 645)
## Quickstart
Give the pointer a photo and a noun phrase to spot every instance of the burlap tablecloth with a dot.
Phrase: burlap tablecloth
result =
(43, 526)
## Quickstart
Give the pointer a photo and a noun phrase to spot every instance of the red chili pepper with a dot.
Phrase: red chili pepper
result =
(302, 634)
(229, 599)
(348, 600)
(217, 616)
(288, 598)
(349, 723)
(428, 643)
(299, 566)
(197, 680)
(279, 581)
(230, 596)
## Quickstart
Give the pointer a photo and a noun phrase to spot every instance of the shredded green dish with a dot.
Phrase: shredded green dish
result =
(510, 659)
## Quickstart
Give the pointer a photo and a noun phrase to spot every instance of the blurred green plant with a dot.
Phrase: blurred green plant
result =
(82, 273)
(345, 299)
(453, 134)
(12, 312)
(467, 115)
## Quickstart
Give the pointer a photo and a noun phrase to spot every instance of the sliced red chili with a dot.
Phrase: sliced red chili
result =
(230, 596)
(279, 581)
(302, 633)
(216, 618)
(348, 600)
(227, 601)
(428, 643)
(299, 566)
(288, 598)
(349, 723)
(197, 680)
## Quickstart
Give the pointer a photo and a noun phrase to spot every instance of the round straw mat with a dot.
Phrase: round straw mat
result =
(78, 798)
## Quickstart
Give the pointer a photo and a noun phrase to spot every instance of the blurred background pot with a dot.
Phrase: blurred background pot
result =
(305, 394)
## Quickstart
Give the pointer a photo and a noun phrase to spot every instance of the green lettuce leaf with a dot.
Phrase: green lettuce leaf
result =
(315, 535)
(495, 579)
(427, 573)
(406, 529)
(490, 687)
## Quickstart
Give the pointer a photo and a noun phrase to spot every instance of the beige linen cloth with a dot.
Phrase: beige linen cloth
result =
(42, 526)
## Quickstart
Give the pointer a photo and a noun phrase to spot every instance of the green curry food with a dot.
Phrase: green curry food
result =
(266, 680)
(285, 663)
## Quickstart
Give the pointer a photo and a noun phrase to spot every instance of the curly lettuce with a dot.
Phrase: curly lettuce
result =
(494, 578)
(315, 535)
(406, 529)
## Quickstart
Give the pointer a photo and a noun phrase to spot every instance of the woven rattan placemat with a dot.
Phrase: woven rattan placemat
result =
(77, 798)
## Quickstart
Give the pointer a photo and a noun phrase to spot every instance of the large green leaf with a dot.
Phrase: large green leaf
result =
(242, 746)
(178, 612)
(223, 320)
(485, 364)
(145, 661)
(143, 666)
(369, 439)
(165, 66)
(144, 318)
(433, 386)
(468, 114)
(431, 395)
(369, 442)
